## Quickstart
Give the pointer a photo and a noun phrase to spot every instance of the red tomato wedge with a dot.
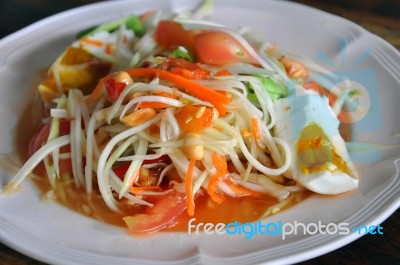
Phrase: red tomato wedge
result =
(170, 34)
(164, 214)
(216, 47)
(40, 138)
(211, 47)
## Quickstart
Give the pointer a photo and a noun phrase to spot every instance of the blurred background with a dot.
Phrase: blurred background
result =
(15, 14)
(381, 17)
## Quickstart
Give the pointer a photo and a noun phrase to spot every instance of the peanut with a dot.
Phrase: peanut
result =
(138, 117)
(192, 149)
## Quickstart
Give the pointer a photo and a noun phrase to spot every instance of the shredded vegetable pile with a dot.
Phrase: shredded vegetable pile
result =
(169, 105)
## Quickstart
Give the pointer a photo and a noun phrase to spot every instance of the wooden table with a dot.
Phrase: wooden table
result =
(377, 16)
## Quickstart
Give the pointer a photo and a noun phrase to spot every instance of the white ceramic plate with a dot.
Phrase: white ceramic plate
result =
(48, 232)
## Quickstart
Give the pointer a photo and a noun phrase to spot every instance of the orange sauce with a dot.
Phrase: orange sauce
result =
(234, 209)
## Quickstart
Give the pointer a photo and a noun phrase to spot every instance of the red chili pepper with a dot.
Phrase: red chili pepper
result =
(114, 89)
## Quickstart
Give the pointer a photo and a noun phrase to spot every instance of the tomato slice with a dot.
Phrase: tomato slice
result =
(164, 214)
(216, 47)
(211, 47)
(170, 34)
(40, 138)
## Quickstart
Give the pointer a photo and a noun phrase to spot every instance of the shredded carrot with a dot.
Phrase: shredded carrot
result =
(185, 68)
(221, 167)
(163, 94)
(189, 188)
(294, 68)
(137, 190)
(93, 42)
(96, 93)
(156, 105)
(312, 86)
(220, 163)
(109, 48)
(245, 133)
(212, 189)
(198, 73)
(242, 191)
(271, 50)
(223, 72)
(322, 91)
(202, 92)
(146, 15)
(255, 128)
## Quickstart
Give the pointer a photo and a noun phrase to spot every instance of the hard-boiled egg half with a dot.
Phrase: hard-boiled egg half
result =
(320, 160)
